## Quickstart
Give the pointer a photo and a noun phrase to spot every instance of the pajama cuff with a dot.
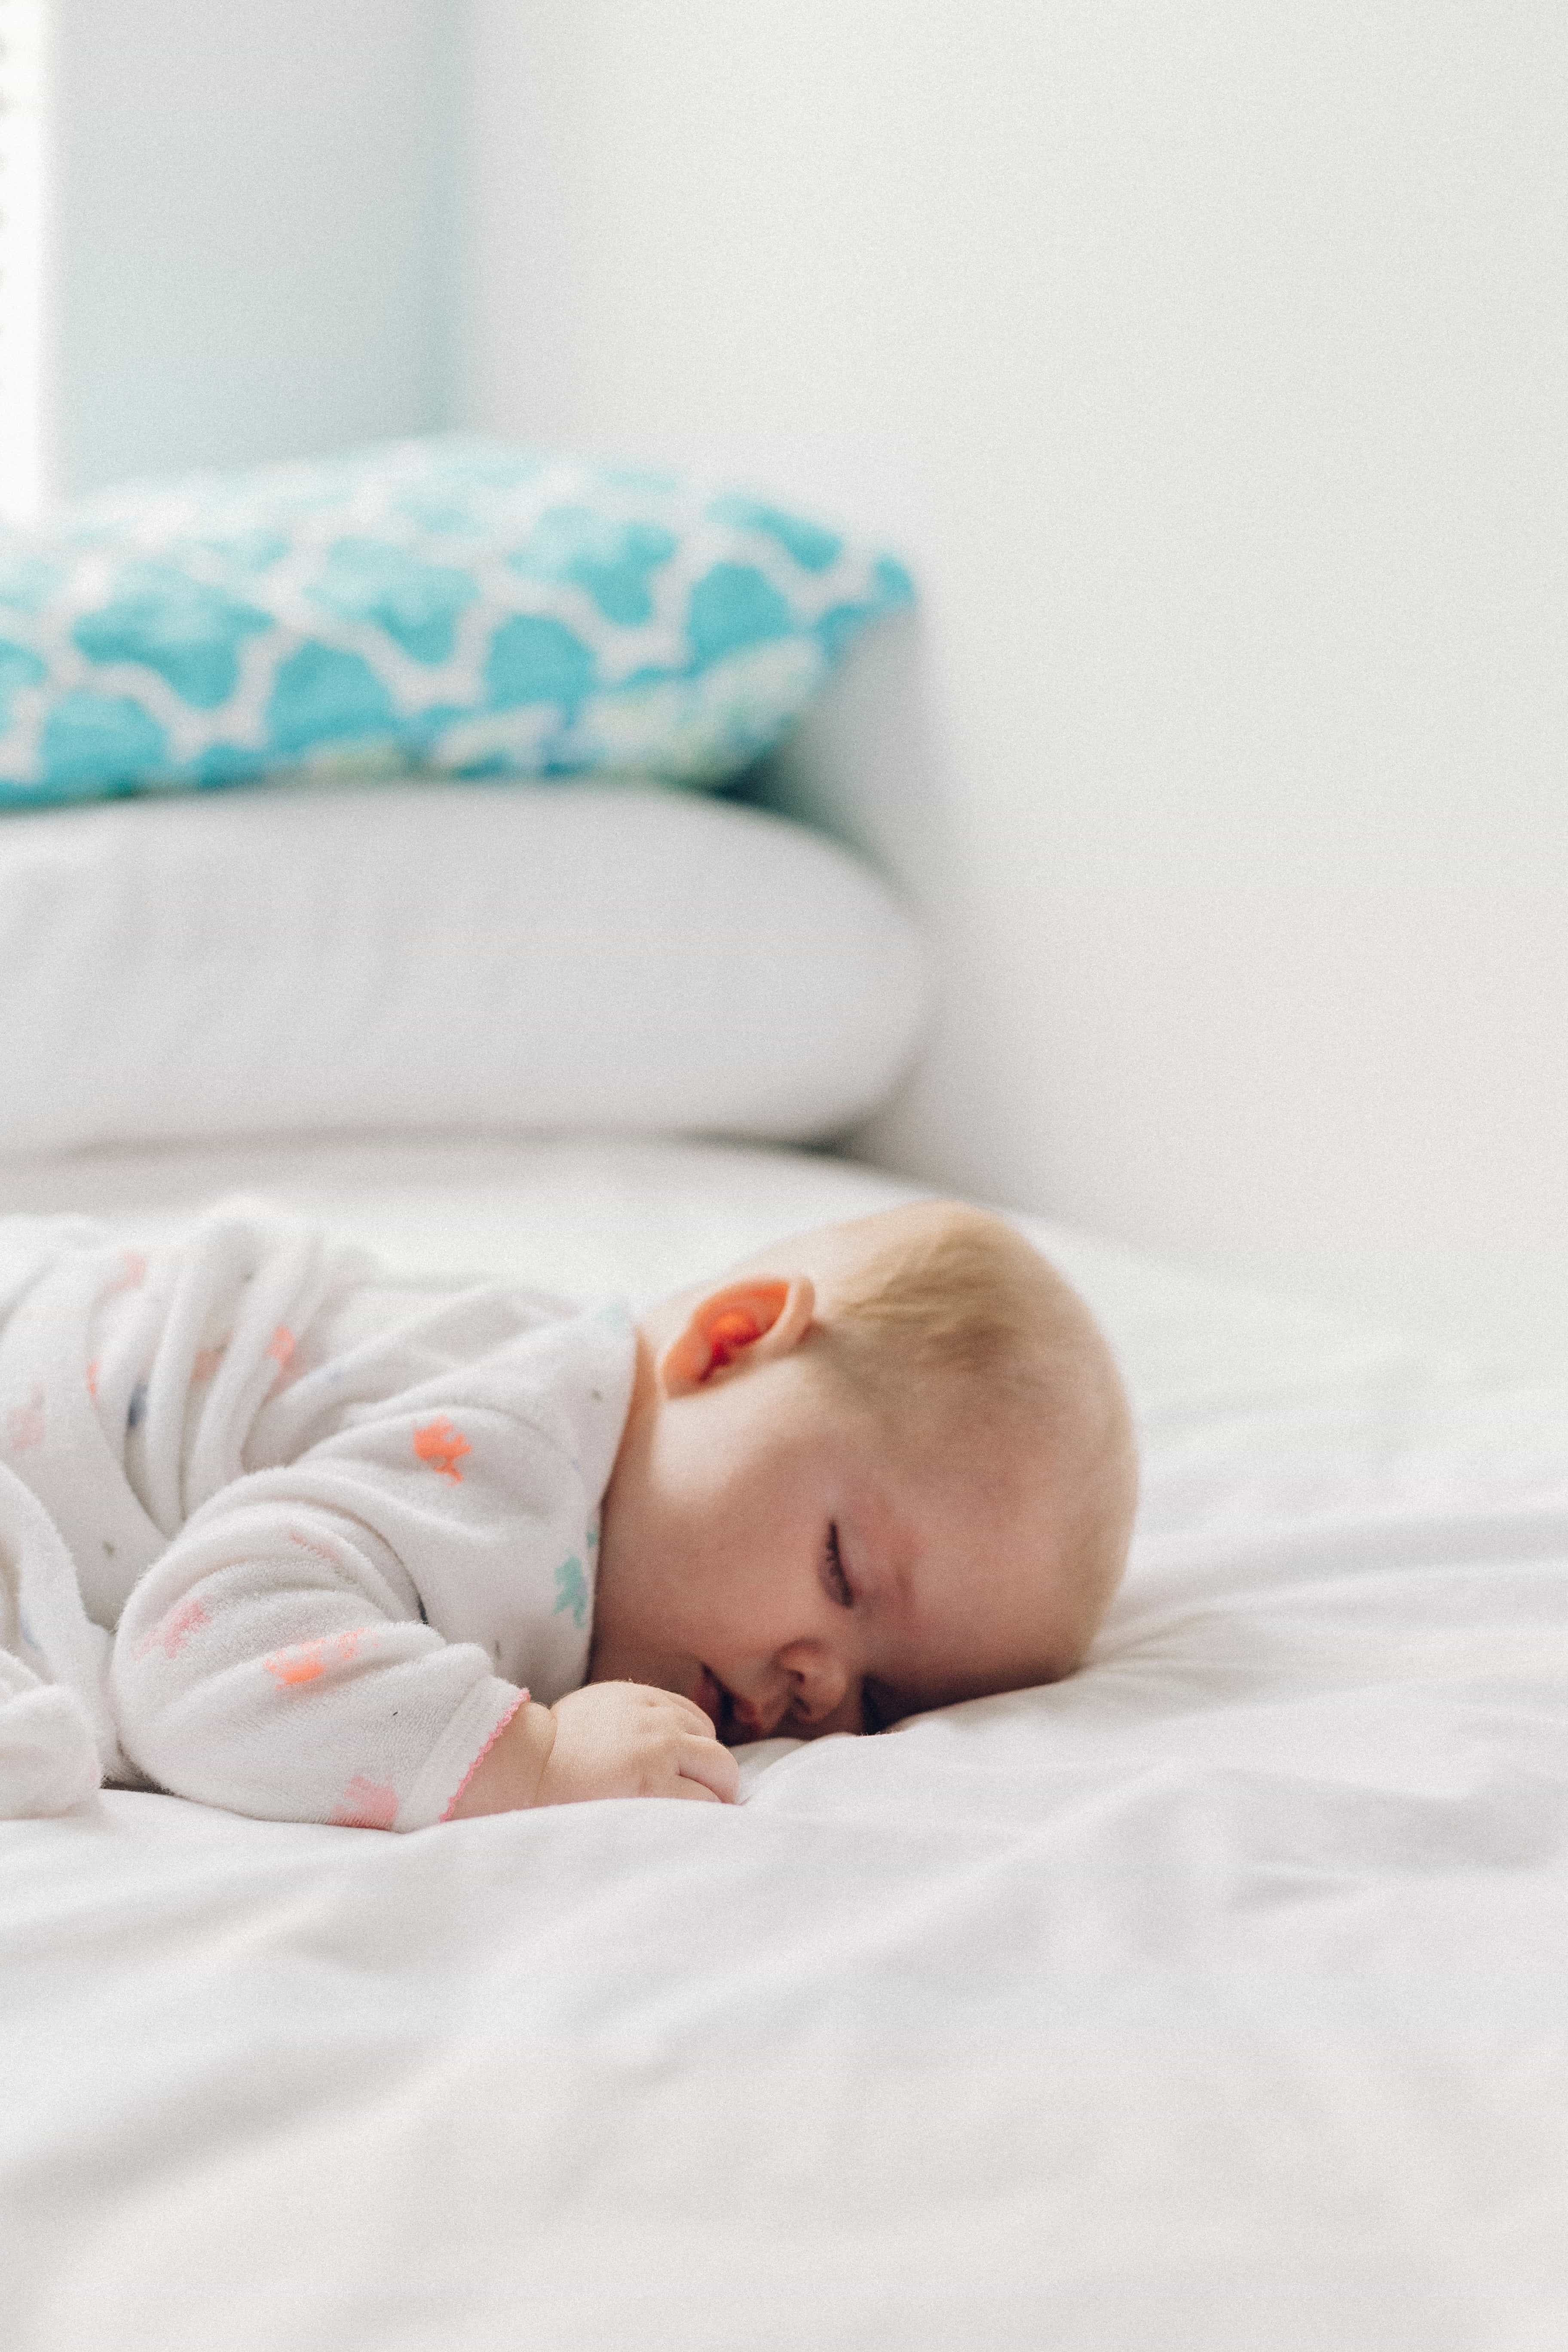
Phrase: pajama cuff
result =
(484, 1714)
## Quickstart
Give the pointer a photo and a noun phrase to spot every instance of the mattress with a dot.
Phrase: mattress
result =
(1215, 1997)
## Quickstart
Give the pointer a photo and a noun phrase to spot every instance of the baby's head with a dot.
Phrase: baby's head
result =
(881, 1466)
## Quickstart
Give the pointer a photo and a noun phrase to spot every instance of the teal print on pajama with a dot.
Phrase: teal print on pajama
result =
(572, 1591)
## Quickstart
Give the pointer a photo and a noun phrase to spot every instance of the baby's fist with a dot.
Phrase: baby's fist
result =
(627, 1740)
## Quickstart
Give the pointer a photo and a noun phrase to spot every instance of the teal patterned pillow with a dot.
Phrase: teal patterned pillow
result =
(449, 605)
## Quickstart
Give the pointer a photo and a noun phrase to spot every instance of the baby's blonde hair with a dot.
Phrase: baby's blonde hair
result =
(955, 1320)
(956, 1295)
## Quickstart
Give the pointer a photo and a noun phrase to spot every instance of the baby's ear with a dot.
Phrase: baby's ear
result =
(745, 1323)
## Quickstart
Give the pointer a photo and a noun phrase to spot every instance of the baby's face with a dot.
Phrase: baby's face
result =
(766, 1553)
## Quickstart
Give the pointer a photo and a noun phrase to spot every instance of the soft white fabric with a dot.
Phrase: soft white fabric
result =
(416, 956)
(339, 1527)
(56, 1737)
(1210, 1999)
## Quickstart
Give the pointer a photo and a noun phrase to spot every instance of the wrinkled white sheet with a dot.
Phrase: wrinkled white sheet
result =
(1215, 1998)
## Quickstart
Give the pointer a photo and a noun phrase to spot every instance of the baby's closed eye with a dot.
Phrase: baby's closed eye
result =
(833, 1570)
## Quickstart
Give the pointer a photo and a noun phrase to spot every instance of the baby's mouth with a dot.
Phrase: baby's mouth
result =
(712, 1697)
(726, 1724)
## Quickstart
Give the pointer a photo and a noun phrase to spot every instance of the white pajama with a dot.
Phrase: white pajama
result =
(279, 1532)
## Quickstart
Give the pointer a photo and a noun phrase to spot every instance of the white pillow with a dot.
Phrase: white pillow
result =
(442, 955)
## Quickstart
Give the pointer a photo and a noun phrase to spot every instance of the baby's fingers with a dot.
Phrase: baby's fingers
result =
(704, 1761)
(691, 1712)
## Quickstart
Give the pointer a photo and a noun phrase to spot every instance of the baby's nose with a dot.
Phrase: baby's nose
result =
(818, 1683)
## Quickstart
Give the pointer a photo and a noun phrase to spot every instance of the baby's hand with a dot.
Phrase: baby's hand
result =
(627, 1739)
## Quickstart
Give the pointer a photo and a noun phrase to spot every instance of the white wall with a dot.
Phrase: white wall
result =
(1209, 361)
(252, 228)
(21, 256)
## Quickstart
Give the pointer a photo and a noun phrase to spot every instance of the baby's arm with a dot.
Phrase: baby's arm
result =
(274, 1660)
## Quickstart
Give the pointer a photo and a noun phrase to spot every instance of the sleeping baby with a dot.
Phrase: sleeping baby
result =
(281, 1533)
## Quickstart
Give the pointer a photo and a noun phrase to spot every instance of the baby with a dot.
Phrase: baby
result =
(283, 1535)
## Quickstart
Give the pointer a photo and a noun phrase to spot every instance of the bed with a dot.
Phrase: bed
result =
(1212, 1997)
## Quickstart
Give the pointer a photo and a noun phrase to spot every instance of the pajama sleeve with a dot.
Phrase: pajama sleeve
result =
(275, 1659)
(275, 1662)
(341, 1630)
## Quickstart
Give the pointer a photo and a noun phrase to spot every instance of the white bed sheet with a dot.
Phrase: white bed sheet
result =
(1215, 1998)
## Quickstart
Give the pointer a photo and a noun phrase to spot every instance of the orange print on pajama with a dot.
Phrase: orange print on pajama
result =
(443, 1447)
(366, 1804)
(173, 1632)
(307, 1662)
